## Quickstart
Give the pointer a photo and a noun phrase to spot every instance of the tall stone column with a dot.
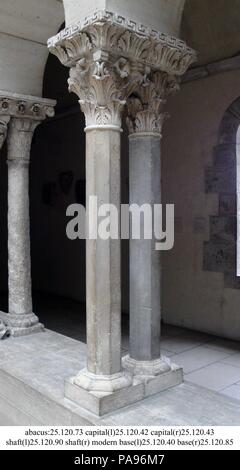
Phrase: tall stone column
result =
(109, 57)
(26, 113)
(145, 120)
(103, 127)
(21, 318)
(102, 91)
(4, 120)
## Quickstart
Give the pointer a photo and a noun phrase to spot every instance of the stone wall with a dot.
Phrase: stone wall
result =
(200, 287)
(220, 252)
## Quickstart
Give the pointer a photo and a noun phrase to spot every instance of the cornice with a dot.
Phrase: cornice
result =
(25, 106)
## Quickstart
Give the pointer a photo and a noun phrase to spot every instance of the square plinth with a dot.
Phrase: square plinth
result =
(142, 387)
(103, 403)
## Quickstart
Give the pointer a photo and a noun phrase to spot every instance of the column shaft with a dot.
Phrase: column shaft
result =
(145, 268)
(103, 257)
(19, 264)
(21, 318)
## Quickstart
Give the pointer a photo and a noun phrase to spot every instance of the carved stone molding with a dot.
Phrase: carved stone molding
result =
(103, 86)
(145, 106)
(14, 105)
(124, 36)
(109, 57)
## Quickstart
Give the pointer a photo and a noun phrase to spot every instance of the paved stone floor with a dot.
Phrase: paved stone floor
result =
(210, 394)
(32, 374)
(208, 361)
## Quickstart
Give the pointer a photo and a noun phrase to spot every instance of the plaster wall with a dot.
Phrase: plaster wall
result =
(24, 63)
(193, 296)
(25, 26)
(31, 19)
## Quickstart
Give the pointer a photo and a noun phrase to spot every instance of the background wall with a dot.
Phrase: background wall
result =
(200, 289)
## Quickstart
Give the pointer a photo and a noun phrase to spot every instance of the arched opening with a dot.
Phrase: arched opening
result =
(57, 179)
(223, 180)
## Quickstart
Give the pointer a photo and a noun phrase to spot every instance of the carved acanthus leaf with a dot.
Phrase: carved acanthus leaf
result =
(134, 45)
(145, 107)
(78, 46)
(104, 86)
(157, 50)
(103, 36)
(170, 59)
(109, 115)
(60, 53)
(110, 60)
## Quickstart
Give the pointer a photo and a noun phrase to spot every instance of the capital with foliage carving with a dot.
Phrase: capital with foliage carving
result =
(110, 57)
(145, 106)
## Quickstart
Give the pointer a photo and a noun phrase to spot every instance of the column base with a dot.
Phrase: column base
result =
(146, 368)
(103, 394)
(157, 375)
(21, 324)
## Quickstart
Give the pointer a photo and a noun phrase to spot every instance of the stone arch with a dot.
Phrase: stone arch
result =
(220, 252)
(25, 26)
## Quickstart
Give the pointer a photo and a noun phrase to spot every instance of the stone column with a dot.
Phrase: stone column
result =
(20, 318)
(102, 100)
(145, 264)
(108, 57)
(145, 120)
(26, 113)
(103, 261)
(4, 120)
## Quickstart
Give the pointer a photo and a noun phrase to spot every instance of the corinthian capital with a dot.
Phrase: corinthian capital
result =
(145, 106)
(103, 85)
(122, 37)
(109, 57)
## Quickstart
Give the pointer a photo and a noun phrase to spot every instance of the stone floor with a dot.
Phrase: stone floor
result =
(210, 394)
(208, 361)
(32, 374)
